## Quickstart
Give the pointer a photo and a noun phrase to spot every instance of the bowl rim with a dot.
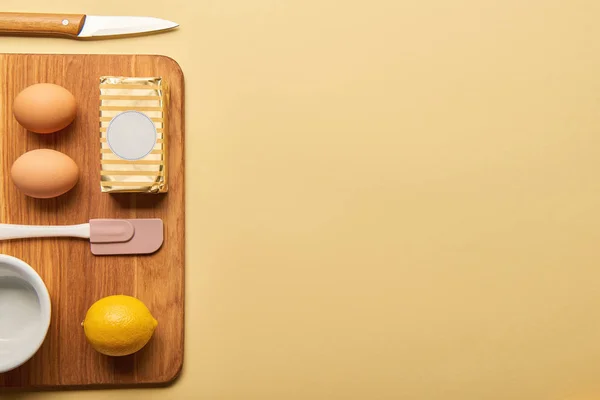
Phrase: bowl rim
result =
(30, 276)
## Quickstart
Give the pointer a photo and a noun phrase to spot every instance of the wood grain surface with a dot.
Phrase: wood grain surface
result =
(74, 277)
(42, 24)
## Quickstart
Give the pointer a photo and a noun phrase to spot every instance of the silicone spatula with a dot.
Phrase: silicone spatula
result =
(107, 236)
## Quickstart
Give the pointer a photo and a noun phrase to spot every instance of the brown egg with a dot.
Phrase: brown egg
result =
(45, 108)
(44, 173)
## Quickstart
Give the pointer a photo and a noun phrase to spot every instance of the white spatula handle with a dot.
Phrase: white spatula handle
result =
(9, 231)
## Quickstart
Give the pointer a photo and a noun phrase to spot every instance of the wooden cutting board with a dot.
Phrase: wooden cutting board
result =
(74, 277)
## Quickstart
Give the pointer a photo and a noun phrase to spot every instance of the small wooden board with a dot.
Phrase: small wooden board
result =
(75, 277)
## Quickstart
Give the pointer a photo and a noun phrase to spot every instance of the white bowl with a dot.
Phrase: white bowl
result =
(24, 312)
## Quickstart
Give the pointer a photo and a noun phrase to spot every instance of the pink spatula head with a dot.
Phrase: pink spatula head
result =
(125, 236)
(111, 230)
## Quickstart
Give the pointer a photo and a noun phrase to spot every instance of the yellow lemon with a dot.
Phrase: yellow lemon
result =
(118, 325)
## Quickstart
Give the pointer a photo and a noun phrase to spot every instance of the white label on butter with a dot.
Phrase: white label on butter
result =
(131, 135)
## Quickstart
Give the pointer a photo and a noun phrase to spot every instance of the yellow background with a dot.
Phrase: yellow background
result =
(386, 199)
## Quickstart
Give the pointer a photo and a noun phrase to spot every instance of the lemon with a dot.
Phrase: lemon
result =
(118, 325)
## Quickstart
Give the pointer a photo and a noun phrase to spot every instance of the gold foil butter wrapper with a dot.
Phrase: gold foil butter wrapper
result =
(146, 173)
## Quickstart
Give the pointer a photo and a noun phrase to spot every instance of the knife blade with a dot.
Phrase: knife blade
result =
(80, 25)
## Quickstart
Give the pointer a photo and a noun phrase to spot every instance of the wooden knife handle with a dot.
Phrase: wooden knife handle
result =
(42, 24)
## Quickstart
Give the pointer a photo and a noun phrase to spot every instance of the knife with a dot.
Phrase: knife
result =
(77, 26)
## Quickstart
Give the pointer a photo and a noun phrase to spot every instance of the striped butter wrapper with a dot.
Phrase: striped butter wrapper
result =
(145, 95)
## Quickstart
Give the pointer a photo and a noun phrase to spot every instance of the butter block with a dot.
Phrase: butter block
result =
(133, 135)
